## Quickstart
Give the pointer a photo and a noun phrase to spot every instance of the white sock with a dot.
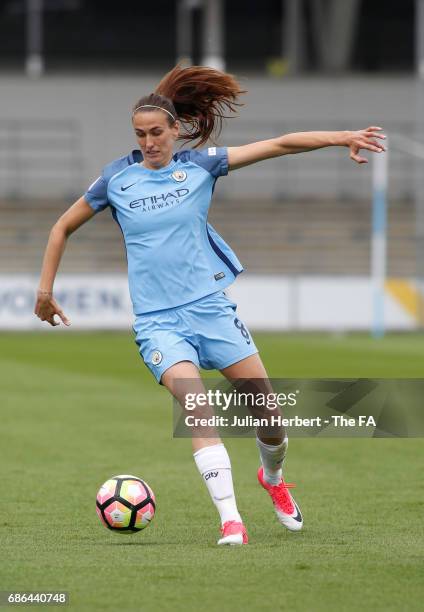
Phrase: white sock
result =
(272, 458)
(214, 466)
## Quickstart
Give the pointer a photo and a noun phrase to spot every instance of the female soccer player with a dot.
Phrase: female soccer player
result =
(178, 266)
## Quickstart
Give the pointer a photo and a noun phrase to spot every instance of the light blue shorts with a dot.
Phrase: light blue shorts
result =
(206, 332)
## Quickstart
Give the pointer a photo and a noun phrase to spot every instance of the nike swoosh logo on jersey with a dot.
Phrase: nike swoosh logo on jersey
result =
(127, 186)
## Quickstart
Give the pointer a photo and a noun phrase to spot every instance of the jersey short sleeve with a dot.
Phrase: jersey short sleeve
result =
(96, 194)
(212, 159)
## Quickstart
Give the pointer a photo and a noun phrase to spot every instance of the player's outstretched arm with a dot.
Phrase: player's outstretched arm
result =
(46, 306)
(300, 142)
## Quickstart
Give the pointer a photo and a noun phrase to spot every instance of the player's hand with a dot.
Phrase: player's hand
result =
(46, 308)
(365, 139)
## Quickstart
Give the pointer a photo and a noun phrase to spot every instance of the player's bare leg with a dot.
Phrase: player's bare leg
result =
(210, 454)
(272, 446)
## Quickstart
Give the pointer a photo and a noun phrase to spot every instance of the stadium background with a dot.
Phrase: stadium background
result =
(78, 405)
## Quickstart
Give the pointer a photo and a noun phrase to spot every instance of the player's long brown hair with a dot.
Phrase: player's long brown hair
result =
(199, 96)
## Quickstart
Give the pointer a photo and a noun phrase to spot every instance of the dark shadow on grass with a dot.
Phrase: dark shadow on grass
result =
(284, 537)
(134, 543)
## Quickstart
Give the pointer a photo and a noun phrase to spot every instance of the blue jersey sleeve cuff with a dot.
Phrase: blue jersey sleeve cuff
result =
(94, 202)
(213, 159)
(224, 161)
(96, 194)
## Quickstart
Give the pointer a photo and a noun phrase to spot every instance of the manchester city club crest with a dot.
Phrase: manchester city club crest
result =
(179, 176)
(157, 357)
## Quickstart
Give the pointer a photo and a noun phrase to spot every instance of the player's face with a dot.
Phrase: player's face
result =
(155, 137)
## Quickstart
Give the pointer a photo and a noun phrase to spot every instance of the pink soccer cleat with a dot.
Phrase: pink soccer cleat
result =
(285, 507)
(233, 533)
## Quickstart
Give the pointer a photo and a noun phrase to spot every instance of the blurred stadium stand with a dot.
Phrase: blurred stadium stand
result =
(56, 133)
(269, 236)
(315, 35)
(306, 214)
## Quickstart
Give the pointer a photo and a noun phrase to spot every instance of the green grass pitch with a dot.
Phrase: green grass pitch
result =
(79, 408)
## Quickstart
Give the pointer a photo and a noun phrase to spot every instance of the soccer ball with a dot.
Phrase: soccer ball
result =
(125, 504)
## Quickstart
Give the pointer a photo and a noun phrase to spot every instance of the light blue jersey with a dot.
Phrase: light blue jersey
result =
(174, 255)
